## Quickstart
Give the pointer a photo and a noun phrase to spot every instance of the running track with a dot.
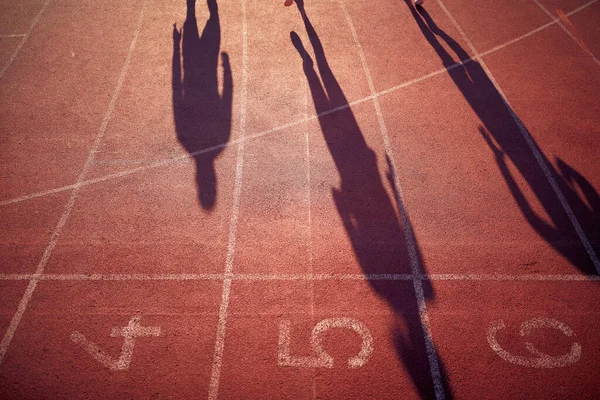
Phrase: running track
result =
(350, 199)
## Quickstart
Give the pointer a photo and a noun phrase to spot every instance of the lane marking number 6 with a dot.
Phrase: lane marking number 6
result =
(539, 359)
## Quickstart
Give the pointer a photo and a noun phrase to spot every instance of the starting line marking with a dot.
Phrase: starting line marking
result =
(298, 277)
(322, 359)
(132, 331)
(539, 359)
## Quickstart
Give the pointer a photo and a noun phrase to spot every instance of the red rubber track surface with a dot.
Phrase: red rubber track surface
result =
(341, 199)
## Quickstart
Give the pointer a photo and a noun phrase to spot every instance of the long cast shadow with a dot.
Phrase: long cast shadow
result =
(202, 116)
(504, 137)
(367, 212)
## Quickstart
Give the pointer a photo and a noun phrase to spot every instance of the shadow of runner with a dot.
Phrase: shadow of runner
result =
(504, 137)
(202, 116)
(368, 214)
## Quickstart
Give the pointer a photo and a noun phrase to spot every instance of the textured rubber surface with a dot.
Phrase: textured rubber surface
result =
(340, 199)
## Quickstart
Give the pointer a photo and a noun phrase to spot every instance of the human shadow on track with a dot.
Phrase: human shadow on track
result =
(503, 135)
(202, 116)
(378, 238)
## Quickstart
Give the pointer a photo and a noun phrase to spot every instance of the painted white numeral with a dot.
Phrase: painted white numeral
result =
(322, 359)
(130, 332)
(539, 359)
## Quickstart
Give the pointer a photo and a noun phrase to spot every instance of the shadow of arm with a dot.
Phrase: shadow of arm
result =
(176, 83)
(589, 192)
(457, 48)
(545, 230)
(427, 29)
(227, 96)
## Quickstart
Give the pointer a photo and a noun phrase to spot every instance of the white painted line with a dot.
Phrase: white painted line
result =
(141, 161)
(567, 31)
(581, 7)
(498, 277)
(16, 277)
(409, 238)
(113, 277)
(14, 323)
(532, 146)
(323, 277)
(309, 227)
(14, 54)
(526, 35)
(309, 222)
(69, 206)
(213, 390)
(308, 183)
(38, 194)
(298, 277)
(15, 35)
(178, 159)
(200, 277)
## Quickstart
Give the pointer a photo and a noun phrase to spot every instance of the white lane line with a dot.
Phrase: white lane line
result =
(213, 390)
(526, 35)
(169, 161)
(309, 227)
(300, 277)
(308, 183)
(483, 54)
(532, 146)
(567, 31)
(581, 7)
(14, 35)
(140, 161)
(69, 206)
(22, 42)
(409, 237)
(38, 194)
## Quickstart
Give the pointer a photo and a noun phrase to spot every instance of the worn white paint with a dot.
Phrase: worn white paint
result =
(539, 359)
(321, 359)
(25, 37)
(130, 332)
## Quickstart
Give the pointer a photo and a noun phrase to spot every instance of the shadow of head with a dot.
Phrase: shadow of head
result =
(206, 181)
